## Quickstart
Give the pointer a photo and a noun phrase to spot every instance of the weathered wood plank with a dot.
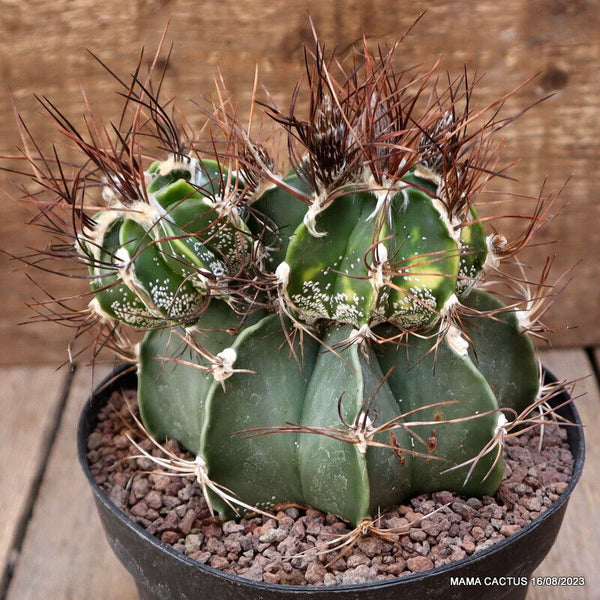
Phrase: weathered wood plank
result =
(30, 401)
(576, 550)
(65, 554)
(43, 51)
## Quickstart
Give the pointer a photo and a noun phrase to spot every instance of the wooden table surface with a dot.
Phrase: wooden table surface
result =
(51, 543)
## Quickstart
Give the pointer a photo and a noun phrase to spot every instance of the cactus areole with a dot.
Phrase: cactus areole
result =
(323, 337)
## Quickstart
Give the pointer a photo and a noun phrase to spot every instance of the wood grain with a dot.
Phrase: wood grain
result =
(43, 51)
(30, 401)
(576, 550)
(65, 555)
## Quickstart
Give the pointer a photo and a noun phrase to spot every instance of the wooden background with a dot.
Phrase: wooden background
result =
(43, 50)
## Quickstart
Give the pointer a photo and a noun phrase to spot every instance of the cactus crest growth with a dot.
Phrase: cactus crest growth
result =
(325, 337)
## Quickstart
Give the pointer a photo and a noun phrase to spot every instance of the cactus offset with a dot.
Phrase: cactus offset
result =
(319, 338)
(156, 259)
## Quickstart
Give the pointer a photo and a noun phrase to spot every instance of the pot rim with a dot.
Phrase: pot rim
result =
(576, 442)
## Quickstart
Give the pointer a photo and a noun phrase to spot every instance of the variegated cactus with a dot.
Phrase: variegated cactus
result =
(323, 337)
(155, 260)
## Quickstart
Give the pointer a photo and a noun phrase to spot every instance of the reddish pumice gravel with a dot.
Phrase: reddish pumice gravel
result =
(291, 548)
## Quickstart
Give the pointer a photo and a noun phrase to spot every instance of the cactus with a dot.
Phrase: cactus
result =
(155, 260)
(323, 337)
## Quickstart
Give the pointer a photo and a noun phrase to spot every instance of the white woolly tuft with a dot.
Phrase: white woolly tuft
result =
(223, 364)
(492, 260)
(95, 307)
(453, 334)
(380, 255)
(424, 173)
(384, 197)
(456, 341)
(363, 419)
(362, 429)
(310, 220)
(123, 257)
(524, 319)
(501, 422)
(282, 274)
(358, 336)
(451, 227)
(201, 470)
(172, 163)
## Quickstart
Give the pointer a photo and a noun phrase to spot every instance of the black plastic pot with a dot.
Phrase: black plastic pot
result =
(161, 573)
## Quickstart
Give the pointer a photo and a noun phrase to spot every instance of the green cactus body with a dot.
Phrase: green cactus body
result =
(155, 262)
(113, 298)
(489, 332)
(366, 266)
(278, 417)
(285, 212)
(344, 473)
(474, 252)
(205, 175)
(317, 338)
(423, 377)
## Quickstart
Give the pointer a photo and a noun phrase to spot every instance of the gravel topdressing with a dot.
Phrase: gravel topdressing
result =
(301, 546)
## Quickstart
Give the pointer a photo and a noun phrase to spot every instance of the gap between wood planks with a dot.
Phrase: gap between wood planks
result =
(25, 518)
(593, 355)
(10, 589)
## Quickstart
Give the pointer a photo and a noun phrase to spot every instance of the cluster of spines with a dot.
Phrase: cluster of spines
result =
(364, 134)
(396, 138)
(373, 130)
